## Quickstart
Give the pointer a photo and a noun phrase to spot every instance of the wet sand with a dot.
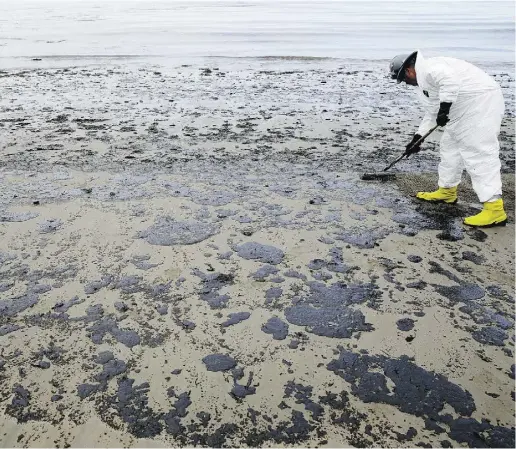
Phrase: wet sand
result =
(189, 257)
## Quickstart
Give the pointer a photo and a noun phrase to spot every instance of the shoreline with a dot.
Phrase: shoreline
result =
(74, 61)
(347, 115)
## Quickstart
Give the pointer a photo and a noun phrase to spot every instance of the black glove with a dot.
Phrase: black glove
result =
(442, 115)
(409, 149)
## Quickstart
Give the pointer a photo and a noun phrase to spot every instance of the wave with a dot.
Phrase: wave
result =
(279, 58)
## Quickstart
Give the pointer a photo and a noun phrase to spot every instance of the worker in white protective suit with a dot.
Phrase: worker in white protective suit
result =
(469, 104)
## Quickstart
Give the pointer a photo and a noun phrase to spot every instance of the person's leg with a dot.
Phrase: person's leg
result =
(483, 166)
(482, 162)
(450, 173)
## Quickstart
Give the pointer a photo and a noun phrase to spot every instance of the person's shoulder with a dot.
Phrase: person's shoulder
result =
(442, 59)
(439, 64)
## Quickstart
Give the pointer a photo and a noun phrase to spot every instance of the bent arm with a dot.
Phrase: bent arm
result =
(431, 109)
(427, 123)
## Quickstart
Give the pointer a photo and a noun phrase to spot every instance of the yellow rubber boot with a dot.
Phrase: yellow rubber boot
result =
(493, 214)
(441, 195)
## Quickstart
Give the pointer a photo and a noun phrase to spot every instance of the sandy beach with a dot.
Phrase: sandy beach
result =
(189, 257)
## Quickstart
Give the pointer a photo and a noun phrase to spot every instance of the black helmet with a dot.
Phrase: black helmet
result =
(398, 65)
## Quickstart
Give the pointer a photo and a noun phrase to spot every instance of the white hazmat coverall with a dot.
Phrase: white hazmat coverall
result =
(470, 138)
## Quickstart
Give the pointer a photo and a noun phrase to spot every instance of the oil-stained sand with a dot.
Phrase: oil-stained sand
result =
(159, 291)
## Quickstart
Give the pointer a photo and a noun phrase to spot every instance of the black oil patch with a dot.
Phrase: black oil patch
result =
(21, 397)
(481, 434)
(490, 336)
(6, 257)
(219, 362)
(336, 263)
(50, 225)
(213, 198)
(104, 357)
(11, 307)
(291, 432)
(121, 306)
(43, 364)
(62, 307)
(477, 234)
(241, 391)
(452, 232)
(128, 284)
(473, 257)
(467, 294)
(277, 280)
(389, 264)
(276, 327)
(95, 286)
(86, 390)
(272, 294)
(322, 276)
(294, 344)
(211, 284)
(188, 325)
(436, 268)
(168, 232)
(461, 293)
(104, 326)
(263, 272)
(294, 274)
(6, 286)
(303, 395)
(20, 406)
(40, 289)
(418, 285)
(162, 309)
(361, 238)
(484, 315)
(328, 311)
(172, 419)
(327, 322)
(443, 217)
(405, 324)
(132, 405)
(110, 369)
(342, 414)
(235, 318)
(498, 292)
(16, 217)
(225, 256)
(417, 391)
(141, 262)
(159, 291)
(263, 253)
(8, 328)
(53, 352)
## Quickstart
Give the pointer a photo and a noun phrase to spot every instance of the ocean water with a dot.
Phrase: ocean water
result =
(479, 31)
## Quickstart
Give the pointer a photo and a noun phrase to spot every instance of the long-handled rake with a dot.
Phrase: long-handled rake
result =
(387, 176)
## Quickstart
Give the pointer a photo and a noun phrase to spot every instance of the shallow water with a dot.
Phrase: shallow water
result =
(477, 31)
